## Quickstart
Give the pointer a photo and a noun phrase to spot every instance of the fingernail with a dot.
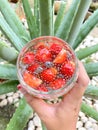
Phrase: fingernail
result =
(19, 87)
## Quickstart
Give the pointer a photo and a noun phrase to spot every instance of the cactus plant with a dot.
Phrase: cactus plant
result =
(70, 27)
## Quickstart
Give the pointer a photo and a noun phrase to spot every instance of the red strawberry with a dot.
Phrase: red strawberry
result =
(61, 57)
(40, 45)
(32, 67)
(42, 88)
(68, 68)
(55, 48)
(57, 83)
(28, 58)
(49, 75)
(43, 55)
(31, 80)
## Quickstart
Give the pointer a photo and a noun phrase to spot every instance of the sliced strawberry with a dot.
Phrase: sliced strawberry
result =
(42, 88)
(57, 83)
(28, 58)
(49, 75)
(68, 68)
(61, 57)
(55, 48)
(32, 67)
(40, 45)
(43, 55)
(31, 80)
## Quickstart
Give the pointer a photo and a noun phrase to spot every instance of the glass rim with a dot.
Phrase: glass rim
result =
(32, 90)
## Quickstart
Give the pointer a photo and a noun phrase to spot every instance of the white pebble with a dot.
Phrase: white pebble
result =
(93, 82)
(39, 128)
(15, 95)
(90, 129)
(30, 128)
(82, 46)
(82, 128)
(96, 56)
(95, 39)
(3, 103)
(37, 121)
(81, 114)
(88, 124)
(10, 94)
(15, 100)
(92, 120)
(84, 119)
(21, 95)
(17, 104)
(96, 101)
(2, 96)
(89, 102)
(95, 126)
(18, 92)
(96, 107)
(30, 123)
(95, 79)
(79, 124)
(10, 100)
(78, 118)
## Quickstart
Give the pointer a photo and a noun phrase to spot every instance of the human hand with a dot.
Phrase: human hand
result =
(62, 115)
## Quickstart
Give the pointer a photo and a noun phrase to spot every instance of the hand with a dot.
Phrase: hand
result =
(63, 115)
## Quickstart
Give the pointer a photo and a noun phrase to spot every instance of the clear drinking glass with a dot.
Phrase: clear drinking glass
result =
(47, 54)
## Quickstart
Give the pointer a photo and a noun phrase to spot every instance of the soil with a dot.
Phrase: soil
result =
(5, 114)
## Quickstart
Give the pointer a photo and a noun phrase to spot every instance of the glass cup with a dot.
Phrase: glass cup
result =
(47, 67)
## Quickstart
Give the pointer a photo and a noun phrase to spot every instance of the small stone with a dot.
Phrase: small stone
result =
(10, 100)
(95, 126)
(10, 94)
(92, 120)
(16, 100)
(93, 82)
(95, 40)
(81, 114)
(89, 102)
(79, 124)
(82, 128)
(96, 107)
(21, 95)
(30, 128)
(84, 119)
(88, 124)
(31, 124)
(96, 56)
(2, 96)
(17, 104)
(3, 103)
(95, 79)
(37, 121)
(82, 46)
(96, 101)
(15, 95)
(90, 129)
(78, 118)
(39, 128)
(18, 92)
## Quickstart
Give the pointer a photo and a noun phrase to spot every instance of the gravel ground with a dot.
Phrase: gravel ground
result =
(84, 122)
